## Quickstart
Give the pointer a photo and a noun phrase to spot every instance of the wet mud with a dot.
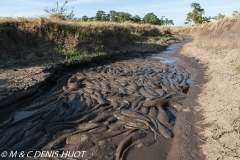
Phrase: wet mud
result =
(112, 111)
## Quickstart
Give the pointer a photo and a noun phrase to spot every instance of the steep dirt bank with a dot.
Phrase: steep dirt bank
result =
(216, 48)
(40, 42)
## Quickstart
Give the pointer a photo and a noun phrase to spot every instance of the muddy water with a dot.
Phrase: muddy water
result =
(126, 109)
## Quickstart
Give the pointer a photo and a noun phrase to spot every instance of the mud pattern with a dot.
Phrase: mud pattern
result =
(103, 110)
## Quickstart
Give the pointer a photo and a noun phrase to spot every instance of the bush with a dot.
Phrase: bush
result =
(56, 13)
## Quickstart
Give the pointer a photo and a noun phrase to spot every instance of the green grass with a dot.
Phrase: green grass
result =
(76, 55)
(238, 68)
(152, 40)
(155, 39)
(236, 125)
(217, 136)
(217, 51)
(229, 152)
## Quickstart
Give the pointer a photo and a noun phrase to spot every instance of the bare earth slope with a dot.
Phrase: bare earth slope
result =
(216, 47)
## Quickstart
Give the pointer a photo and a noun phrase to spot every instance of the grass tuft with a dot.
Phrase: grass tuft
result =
(238, 68)
(77, 55)
(236, 125)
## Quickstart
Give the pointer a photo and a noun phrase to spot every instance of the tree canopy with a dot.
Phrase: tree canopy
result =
(219, 16)
(235, 13)
(151, 18)
(112, 16)
(196, 16)
(136, 19)
(169, 22)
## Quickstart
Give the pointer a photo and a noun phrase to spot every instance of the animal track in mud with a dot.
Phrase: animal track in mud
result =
(105, 110)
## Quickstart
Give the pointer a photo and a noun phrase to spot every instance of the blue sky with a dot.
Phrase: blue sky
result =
(173, 9)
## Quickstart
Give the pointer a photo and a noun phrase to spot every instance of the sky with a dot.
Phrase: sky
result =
(172, 9)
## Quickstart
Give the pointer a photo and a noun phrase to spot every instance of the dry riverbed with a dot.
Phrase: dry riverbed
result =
(130, 101)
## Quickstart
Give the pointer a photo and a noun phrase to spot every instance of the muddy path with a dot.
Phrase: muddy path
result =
(124, 109)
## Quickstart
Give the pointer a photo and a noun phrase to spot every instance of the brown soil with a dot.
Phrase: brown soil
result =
(213, 105)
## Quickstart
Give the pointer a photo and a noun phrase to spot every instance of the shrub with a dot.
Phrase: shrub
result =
(60, 13)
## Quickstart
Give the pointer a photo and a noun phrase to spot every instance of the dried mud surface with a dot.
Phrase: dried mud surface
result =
(113, 111)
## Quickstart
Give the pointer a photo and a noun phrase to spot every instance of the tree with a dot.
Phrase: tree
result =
(106, 17)
(169, 22)
(196, 16)
(60, 13)
(112, 16)
(235, 13)
(123, 16)
(206, 19)
(100, 15)
(219, 16)
(162, 21)
(91, 19)
(84, 18)
(136, 19)
(151, 18)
